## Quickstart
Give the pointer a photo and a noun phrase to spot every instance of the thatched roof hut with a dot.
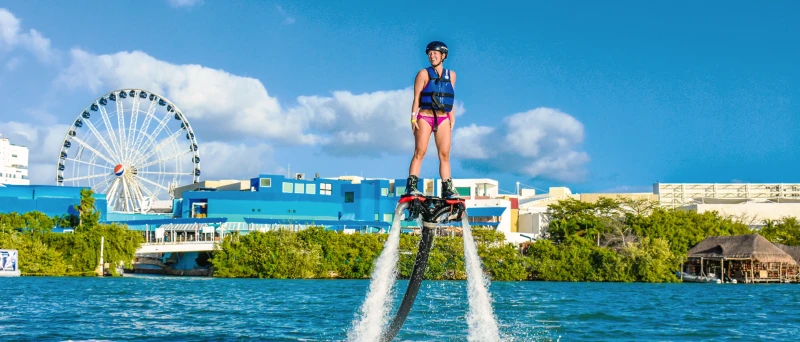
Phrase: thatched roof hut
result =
(750, 247)
(794, 251)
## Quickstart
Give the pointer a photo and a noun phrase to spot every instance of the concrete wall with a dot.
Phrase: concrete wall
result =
(532, 224)
(594, 197)
(505, 218)
(753, 212)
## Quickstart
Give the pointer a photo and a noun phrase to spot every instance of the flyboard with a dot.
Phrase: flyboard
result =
(432, 211)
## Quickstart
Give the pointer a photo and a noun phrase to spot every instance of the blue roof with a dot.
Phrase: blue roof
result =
(485, 211)
(205, 220)
(317, 222)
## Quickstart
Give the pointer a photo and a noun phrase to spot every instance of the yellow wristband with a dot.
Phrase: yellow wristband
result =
(412, 120)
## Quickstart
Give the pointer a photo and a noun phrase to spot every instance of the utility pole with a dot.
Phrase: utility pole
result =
(100, 267)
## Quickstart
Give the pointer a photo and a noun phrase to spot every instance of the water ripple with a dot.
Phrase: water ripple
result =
(204, 309)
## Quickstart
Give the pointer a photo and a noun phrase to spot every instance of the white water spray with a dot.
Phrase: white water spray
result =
(480, 319)
(374, 312)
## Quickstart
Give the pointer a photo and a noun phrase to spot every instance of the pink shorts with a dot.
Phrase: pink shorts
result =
(429, 119)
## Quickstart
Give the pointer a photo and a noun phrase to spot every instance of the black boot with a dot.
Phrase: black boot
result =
(448, 192)
(411, 186)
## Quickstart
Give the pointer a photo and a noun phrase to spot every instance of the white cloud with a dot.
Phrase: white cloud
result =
(44, 144)
(217, 103)
(184, 3)
(220, 160)
(543, 142)
(468, 141)
(33, 41)
(222, 106)
(223, 160)
(368, 124)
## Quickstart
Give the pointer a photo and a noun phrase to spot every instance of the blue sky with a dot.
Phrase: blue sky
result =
(594, 96)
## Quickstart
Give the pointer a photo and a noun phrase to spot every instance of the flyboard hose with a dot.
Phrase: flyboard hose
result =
(429, 225)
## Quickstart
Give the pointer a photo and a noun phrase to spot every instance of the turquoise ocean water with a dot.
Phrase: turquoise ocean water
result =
(207, 309)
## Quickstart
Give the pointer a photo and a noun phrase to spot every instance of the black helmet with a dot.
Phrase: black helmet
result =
(437, 46)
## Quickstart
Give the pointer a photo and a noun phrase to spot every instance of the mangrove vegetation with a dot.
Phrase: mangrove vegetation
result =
(610, 240)
(44, 252)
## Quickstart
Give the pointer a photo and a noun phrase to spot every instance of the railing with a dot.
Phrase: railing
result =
(176, 246)
(161, 243)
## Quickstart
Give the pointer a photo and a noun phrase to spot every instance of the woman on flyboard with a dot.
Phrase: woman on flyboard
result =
(432, 112)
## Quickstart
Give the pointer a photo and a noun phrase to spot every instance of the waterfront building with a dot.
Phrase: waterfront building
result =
(13, 163)
(49, 199)
(533, 218)
(743, 258)
(750, 203)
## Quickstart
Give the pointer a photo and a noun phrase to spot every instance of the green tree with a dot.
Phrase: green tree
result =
(785, 231)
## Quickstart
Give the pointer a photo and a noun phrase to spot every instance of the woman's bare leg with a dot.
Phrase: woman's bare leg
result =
(443, 138)
(421, 138)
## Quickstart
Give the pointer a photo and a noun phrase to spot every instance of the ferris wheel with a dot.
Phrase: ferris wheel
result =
(132, 145)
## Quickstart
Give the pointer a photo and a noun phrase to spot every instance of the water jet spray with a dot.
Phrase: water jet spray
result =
(432, 211)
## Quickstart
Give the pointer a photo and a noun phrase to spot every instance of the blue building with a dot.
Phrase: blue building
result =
(276, 199)
(49, 199)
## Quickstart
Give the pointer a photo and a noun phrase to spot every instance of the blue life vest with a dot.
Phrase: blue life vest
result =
(438, 94)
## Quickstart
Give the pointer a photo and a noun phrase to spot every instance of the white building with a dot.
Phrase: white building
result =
(533, 219)
(679, 194)
(750, 203)
(533, 208)
(13, 163)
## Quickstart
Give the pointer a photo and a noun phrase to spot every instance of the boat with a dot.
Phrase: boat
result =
(9, 267)
(692, 278)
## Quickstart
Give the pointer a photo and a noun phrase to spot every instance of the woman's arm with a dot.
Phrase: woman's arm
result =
(452, 113)
(419, 84)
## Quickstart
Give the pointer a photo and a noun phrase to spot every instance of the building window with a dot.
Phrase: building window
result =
(266, 182)
(13, 156)
(385, 192)
(464, 191)
(299, 188)
(325, 189)
(311, 189)
(376, 216)
(349, 197)
(288, 187)
(387, 217)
